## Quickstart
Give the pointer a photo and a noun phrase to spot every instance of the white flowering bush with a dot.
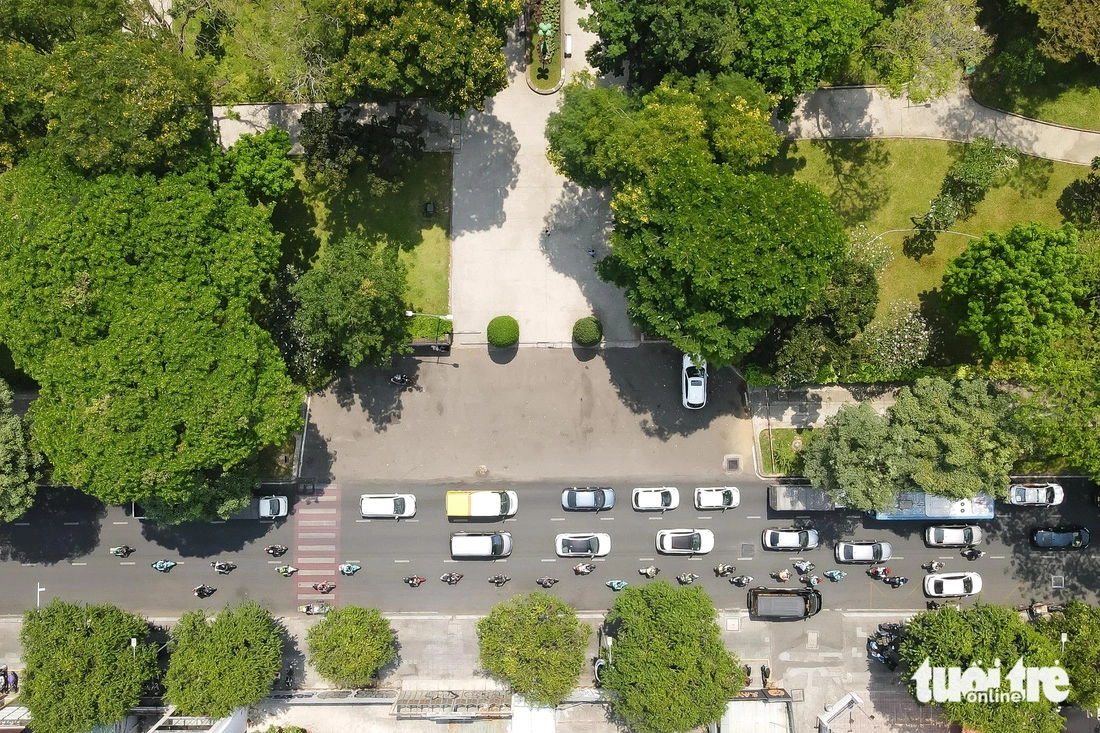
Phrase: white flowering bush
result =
(900, 340)
(869, 249)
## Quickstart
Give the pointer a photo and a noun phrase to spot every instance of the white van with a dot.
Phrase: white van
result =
(481, 544)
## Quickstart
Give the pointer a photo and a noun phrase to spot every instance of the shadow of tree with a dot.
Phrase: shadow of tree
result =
(858, 168)
(1031, 177)
(294, 218)
(207, 539)
(787, 162)
(63, 524)
(485, 172)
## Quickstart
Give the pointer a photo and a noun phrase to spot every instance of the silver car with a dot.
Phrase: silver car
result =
(791, 538)
(587, 498)
(1044, 494)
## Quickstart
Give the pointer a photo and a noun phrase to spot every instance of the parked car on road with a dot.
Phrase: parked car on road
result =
(717, 497)
(1065, 537)
(587, 498)
(791, 538)
(865, 551)
(953, 535)
(387, 506)
(1044, 494)
(590, 544)
(693, 382)
(655, 500)
(784, 604)
(952, 585)
(685, 541)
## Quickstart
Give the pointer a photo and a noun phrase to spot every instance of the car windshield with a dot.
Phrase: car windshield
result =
(803, 538)
(503, 504)
(594, 498)
(968, 584)
(498, 544)
(399, 505)
(967, 535)
(938, 586)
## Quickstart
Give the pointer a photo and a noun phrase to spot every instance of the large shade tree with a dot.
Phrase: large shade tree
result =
(1072, 27)
(130, 300)
(1080, 625)
(18, 461)
(709, 258)
(669, 669)
(849, 458)
(535, 643)
(81, 670)
(218, 665)
(350, 645)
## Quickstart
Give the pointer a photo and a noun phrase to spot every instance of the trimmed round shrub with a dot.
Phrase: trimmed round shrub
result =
(588, 331)
(503, 332)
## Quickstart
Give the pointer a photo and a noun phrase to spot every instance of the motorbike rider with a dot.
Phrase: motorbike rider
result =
(276, 550)
(583, 568)
(348, 569)
(649, 572)
(223, 568)
(546, 581)
(499, 580)
(123, 551)
(204, 591)
(451, 578)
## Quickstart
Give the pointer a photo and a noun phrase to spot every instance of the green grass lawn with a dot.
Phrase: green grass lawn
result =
(1068, 94)
(781, 458)
(422, 240)
(882, 183)
(553, 76)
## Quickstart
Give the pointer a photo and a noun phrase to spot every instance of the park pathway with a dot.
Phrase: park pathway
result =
(865, 112)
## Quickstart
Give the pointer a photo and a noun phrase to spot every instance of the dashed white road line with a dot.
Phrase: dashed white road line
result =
(754, 516)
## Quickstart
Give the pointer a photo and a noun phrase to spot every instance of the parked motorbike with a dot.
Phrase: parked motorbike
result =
(583, 568)
(402, 380)
(722, 571)
(349, 569)
(163, 566)
(451, 578)
(546, 581)
(649, 572)
(123, 551)
(765, 674)
(890, 663)
(276, 550)
(835, 575)
(741, 580)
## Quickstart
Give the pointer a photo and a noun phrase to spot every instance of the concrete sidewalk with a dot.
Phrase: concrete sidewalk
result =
(864, 112)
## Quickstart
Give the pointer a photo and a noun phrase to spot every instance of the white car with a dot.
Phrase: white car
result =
(717, 497)
(791, 538)
(1046, 494)
(655, 500)
(953, 535)
(590, 544)
(685, 541)
(693, 382)
(952, 585)
(587, 498)
(865, 551)
(387, 506)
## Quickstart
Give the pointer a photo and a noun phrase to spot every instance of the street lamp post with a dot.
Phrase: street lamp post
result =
(38, 596)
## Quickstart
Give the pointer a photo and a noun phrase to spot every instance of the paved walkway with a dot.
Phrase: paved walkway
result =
(862, 112)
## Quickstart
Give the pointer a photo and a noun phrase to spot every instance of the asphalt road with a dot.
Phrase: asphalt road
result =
(63, 546)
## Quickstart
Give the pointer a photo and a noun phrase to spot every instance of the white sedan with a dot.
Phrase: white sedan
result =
(1046, 494)
(387, 506)
(865, 551)
(952, 585)
(685, 541)
(591, 544)
(791, 538)
(655, 500)
(953, 535)
(693, 382)
(717, 497)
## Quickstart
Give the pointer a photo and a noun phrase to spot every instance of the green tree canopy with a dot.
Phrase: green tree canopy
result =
(954, 438)
(1080, 201)
(220, 665)
(669, 669)
(710, 258)
(125, 103)
(350, 645)
(81, 671)
(260, 165)
(42, 24)
(351, 303)
(1072, 27)
(129, 300)
(21, 119)
(1081, 624)
(1063, 410)
(601, 135)
(849, 458)
(535, 643)
(1016, 293)
(18, 461)
(980, 635)
(923, 48)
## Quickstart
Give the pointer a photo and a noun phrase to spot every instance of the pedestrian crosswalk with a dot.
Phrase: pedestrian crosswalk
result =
(317, 542)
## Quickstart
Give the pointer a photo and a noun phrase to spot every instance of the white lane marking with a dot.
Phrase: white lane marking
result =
(316, 573)
(754, 516)
(513, 519)
(316, 523)
(706, 517)
(218, 521)
(450, 561)
(897, 557)
(645, 559)
(362, 521)
(996, 557)
(411, 520)
(549, 560)
(325, 497)
(744, 559)
(607, 519)
(78, 563)
(656, 519)
(28, 564)
(131, 562)
(72, 524)
(119, 522)
(557, 519)
(22, 524)
(402, 561)
(946, 557)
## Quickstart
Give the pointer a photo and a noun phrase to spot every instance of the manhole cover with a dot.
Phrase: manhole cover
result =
(733, 623)
(798, 694)
(733, 463)
(747, 549)
(1057, 581)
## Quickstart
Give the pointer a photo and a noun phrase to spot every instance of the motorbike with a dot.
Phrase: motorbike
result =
(765, 674)
(748, 675)
(972, 553)
(803, 567)
(320, 608)
(879, 573)
(163, 566)
(583, 568)
(933, 566)
(546, 581)
(781, 575)
(686, 578)
(286, 570)
(896, 581)
(413, 581)
(723, 570)
(741, 580)
(325, 587)
(891, 628)
(223, 568)
(348, 569)
(124, 551)
(890, 663)
(649, 572)
(204, 591)
(402, 380)
(835, 575)
(499, 580)
(616, 585)
(811, 580)
(451, 578)
(276, 550)
(288, 677)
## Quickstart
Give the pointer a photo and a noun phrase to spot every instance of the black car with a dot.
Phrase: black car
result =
(1066, 537)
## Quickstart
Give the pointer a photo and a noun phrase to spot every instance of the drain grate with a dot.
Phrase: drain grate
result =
(747, 549)
(798, 694)
(1057, 581)
(732, 463)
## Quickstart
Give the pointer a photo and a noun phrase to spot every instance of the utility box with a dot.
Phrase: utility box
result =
(568, 45)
